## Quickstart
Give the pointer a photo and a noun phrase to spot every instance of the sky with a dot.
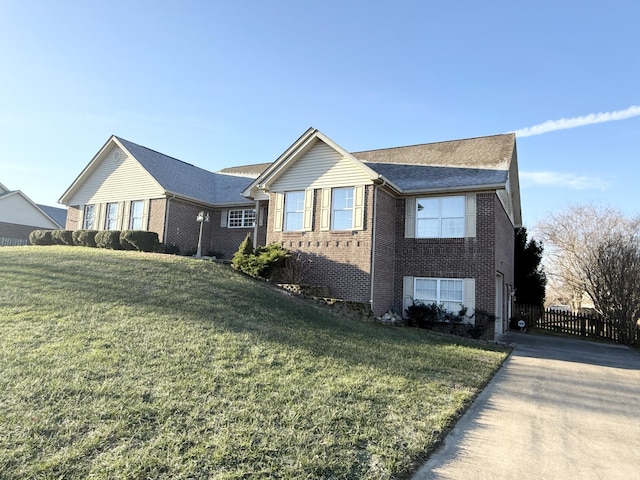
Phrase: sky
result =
(219, 84)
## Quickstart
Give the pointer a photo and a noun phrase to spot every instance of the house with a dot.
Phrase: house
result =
(426, 223)
(127, 186)
(19, 216)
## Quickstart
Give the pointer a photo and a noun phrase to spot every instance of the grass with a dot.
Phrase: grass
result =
(129, 365)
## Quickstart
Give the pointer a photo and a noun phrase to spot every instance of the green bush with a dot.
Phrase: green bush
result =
(170, 248)
(108, 239)
(62, 237)
(424, 316)
(84, 238)
(141, 240)
(263, 262)
(41, 237)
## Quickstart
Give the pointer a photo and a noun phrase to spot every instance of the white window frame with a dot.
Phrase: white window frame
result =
(111, 216)
(441, 218)
(88, 217)
(294, 209)
(135, 222)
(448, 303)
(347, 206)
(239, 218)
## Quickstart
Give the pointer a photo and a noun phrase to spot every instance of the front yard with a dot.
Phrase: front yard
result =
(130, 365)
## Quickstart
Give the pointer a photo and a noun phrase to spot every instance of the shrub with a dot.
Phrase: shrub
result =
(484, 321)
(84, 238)
(62, 237)
(108, 239)
(170, 249)
(141, 240)
(424, 316)
(41, 237)
(263, 262)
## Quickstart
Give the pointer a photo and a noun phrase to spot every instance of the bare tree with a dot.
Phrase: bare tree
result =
(594, 251)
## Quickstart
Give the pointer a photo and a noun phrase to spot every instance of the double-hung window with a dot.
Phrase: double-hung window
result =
(89, 215)
(241, 218)
(294, 211)
(342, 209)
(135, 219)
(440, 217)
(111, 219)
(441, 291)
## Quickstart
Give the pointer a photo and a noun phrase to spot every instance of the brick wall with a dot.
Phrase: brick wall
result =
(505, 236)
(339, 260)
(225, 241)
(450, 258)
(74, 222)
(383, 275)
(157, 208)
(183, 229)
(13, 234)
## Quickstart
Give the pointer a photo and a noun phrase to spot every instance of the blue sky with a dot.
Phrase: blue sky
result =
(218, 84)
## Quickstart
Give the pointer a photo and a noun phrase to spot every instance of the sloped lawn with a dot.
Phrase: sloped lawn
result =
(135, 366)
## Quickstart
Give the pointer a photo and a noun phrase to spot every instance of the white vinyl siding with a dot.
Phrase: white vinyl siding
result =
(136, 212)
(89, 215)
(116, 176)
(241, 218)
(321, 167)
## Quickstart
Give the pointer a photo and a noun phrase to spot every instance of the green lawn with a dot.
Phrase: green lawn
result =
(135, 366)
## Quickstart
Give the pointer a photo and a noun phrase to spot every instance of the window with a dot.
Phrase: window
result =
(241, 218)
(342, 209)
(440, 217)
(441, 291)
(89, 215)
(293, 210)
(111, 220)
(135, 220)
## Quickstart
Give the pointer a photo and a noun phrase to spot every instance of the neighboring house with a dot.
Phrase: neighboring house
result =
(127, 186)
(425, 223)
(19, 216)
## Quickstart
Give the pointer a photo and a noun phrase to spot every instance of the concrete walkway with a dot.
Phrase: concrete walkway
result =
(558, 409)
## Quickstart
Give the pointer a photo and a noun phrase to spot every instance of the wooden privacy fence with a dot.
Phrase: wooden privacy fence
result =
(588, 325)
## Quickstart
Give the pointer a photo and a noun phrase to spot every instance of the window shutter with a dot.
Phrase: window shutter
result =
(469, 292)
(261, 217)
(358, 208)
(145, 215)
(307, 218)
(278, 212)
(410, 218)
(470, 217)
(80, 218)
(98, 222)
(407, 294)
(325, 210)
(119, 218)
(223, 218)
(126, 215)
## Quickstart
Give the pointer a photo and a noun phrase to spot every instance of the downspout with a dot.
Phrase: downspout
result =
(373, 234)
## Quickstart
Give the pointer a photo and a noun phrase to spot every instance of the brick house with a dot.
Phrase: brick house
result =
(431, 223)
(19, 216)
(127, 186)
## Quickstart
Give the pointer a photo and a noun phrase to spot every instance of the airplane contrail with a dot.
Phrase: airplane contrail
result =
(563, 123)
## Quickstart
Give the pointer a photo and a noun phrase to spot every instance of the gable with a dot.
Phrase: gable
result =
(116, 177)
(321, 166)
(16, 208)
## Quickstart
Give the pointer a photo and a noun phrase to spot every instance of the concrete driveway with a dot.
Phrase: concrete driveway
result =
(558, 409)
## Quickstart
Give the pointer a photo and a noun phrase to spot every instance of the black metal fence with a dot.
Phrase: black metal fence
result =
(12, 242)
(588, 325)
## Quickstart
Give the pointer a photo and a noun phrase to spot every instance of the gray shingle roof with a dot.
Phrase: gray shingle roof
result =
(251, 171)
(492, 152)
(188, 181)
(425, 177)
(59, 215)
